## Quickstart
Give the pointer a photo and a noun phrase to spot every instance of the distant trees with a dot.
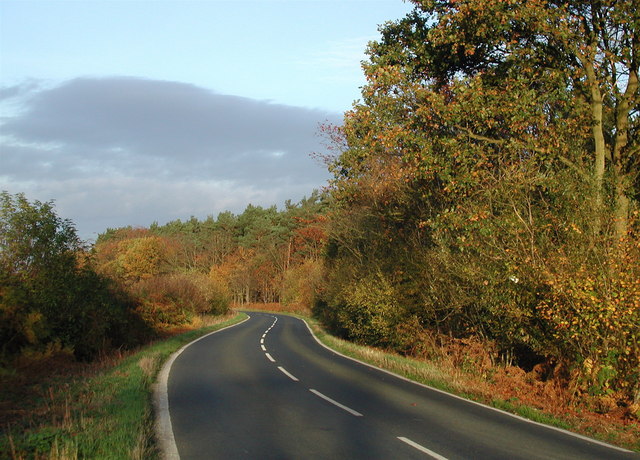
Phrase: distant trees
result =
(261, 255)
(489, 179)
(51, 298)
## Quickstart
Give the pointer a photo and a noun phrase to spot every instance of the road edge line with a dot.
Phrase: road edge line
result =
(519, 417)
(421, 448)
(163, 428)
(336, 403)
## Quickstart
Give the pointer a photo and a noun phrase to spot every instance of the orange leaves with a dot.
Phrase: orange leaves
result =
(598, 314)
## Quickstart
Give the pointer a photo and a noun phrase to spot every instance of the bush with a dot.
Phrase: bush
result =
(594, 312)
(370, 311)
(49, 291)
(301, 284)
(176, 298)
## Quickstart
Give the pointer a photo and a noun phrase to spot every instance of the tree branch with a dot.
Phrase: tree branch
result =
(478, 137)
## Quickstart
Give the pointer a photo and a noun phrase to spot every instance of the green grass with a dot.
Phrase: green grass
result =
(105, 416)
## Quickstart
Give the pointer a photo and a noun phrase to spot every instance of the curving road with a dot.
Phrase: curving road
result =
(266, 389)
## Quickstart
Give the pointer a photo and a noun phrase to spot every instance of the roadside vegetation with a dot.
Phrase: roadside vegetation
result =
(99, 410)
(485, 194)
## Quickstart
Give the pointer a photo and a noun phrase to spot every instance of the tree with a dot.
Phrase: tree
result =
(36, 248)
(49, 293)
(493, 156)
(571, 65)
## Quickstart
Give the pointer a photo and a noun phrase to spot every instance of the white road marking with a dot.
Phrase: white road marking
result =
(263, 348)
(262, 340)
(270, 357)
(288, 374)
(336, 403)
(451, 395)
(415, 445)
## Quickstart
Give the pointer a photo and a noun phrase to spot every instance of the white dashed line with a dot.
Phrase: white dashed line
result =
(270, 357)
(263, 348)
(417, 446)
(288, 374)
(336, 403)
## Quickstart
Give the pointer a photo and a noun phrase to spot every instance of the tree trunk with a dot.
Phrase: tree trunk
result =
(621, 140)
(596, 102)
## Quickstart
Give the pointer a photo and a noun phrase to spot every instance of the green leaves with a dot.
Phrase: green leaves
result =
(48, 298)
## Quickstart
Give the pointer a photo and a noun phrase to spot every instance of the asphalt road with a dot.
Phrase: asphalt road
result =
(265, 389)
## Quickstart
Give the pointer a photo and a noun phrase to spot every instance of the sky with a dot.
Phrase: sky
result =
(132, 112)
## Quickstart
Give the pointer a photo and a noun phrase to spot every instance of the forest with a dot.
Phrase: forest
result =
(485, 187)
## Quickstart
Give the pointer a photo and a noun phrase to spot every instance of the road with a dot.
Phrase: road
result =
(266, 389)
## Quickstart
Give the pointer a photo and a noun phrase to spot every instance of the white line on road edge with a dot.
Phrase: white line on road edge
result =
(164, 430)
(451, 395)
(285, 372)
(415, 445)
(270, 357)
(336, 403)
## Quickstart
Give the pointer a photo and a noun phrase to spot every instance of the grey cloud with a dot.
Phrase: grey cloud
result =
(11, 92)
(114, 150)
(197, 132)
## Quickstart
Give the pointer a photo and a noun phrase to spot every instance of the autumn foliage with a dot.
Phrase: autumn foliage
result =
(484, 196)
(52, 300)
(182, 269)
(486, 187)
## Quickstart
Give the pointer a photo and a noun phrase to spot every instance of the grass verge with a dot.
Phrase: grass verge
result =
(102, 414)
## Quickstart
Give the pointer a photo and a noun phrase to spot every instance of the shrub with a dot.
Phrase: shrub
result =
(49, 291)
(174, 299)
(370, 312)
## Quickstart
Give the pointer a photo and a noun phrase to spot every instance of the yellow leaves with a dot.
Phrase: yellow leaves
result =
(30, 325)
(595, 311)
(141, 258)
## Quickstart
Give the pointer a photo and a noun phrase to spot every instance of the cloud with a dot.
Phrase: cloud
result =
(14, 91)
(112, 149)
(339, 60)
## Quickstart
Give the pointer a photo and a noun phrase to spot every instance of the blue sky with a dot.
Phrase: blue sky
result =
(129, 112)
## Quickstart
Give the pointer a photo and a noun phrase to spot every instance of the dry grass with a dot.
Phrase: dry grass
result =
(274, 308)
(149, 365)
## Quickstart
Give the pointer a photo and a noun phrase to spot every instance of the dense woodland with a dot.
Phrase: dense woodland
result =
(486, 186)
(262, 255)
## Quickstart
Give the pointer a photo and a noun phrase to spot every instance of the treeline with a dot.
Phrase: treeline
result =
(57, 295)
(262, 255)
(487, 186)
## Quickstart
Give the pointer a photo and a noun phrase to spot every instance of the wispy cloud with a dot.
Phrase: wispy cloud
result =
(339, 60)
